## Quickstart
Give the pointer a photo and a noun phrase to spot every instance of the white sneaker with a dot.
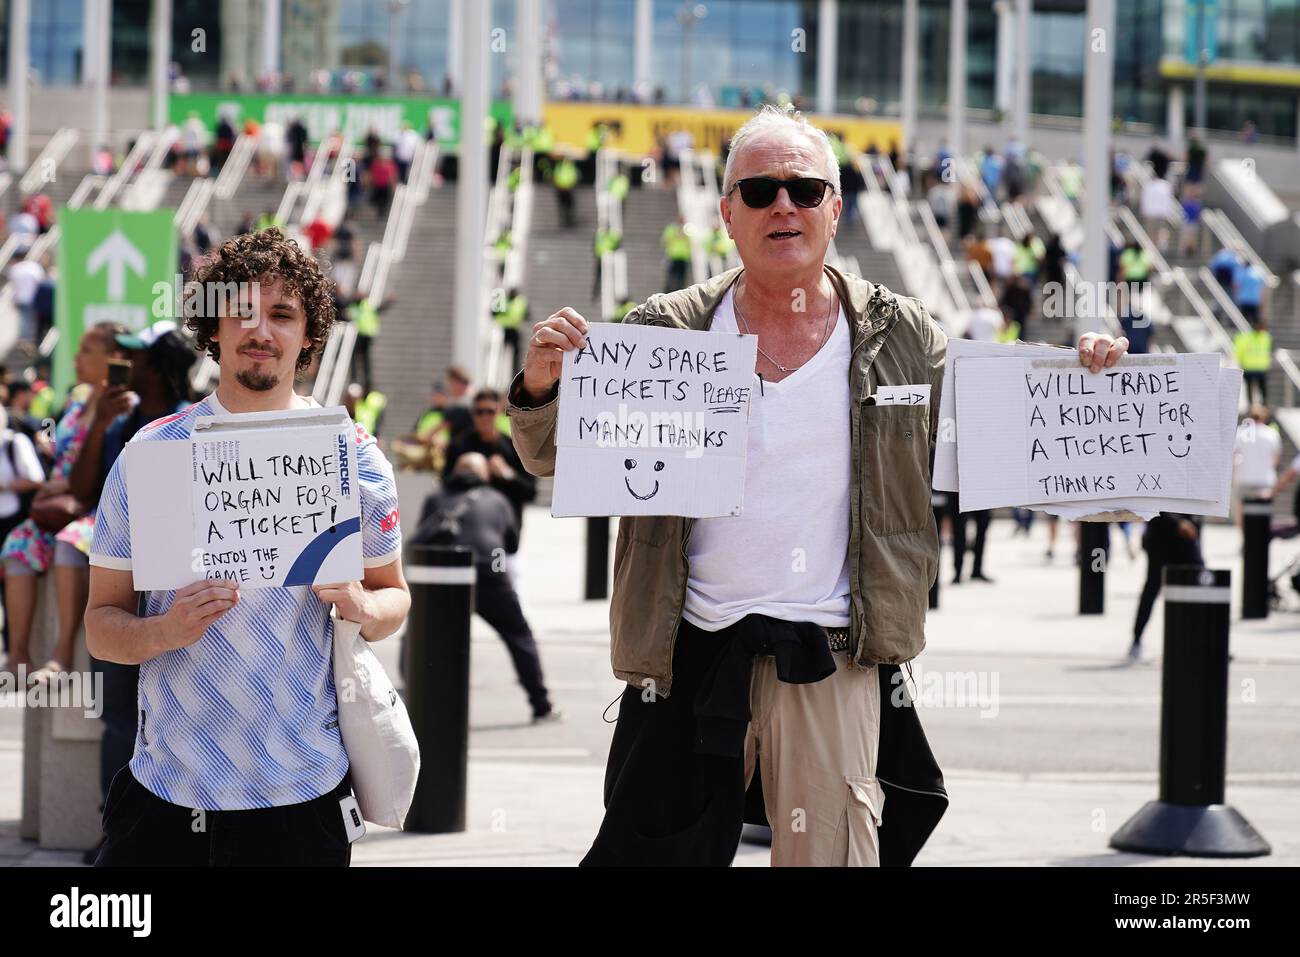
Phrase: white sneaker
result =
(551, 717)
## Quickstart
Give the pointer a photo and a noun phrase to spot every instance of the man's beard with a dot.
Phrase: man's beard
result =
(257, 381)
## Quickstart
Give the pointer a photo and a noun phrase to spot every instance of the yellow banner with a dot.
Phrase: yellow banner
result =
(637, 129)
(1228, 71)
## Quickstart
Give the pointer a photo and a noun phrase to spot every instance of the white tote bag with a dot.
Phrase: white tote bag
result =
(377, 731)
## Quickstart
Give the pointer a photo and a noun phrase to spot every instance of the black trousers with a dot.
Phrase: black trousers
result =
(360, 369)
(665, 804)
(497, 603)
(143, 830)
(1256, 387)
(510, 341)
(119, 714)
(564, 197)
(959, 520)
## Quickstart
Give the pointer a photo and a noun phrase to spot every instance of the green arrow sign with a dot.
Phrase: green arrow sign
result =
(110, 262)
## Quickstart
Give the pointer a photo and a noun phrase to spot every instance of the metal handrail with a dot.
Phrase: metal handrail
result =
(982, 284)
(1224, 300)
(1291, 374)
(126, 171)
(232, 173)
(58, 147)
(1237, 241)
(1140, 234)
(1212, 325)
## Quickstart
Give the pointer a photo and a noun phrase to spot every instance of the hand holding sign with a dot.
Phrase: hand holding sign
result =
(1097, 351)
(1141, 435)
(561, 332)
(195, 607)
(653, 421)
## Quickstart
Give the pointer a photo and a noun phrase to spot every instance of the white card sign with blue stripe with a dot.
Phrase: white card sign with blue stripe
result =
(271, 499)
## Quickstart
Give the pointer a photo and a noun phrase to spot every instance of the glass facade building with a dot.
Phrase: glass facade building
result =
(723, 52)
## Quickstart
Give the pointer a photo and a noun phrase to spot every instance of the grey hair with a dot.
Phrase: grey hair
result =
(782, 121)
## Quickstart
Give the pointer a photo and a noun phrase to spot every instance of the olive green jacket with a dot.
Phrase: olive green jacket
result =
(893, 542)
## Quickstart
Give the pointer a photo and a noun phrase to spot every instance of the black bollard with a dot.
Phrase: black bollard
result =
(441, 580)
(1190, 817)
(597, 558)
(1094, 550)
(939, 503)
(1257, 531)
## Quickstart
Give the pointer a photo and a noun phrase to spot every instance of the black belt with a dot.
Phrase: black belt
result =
(838, 638)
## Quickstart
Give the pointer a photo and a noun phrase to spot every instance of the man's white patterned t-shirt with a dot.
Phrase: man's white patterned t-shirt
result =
(247, 716)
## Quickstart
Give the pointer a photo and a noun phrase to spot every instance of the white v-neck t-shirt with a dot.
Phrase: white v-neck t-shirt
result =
(787, 554)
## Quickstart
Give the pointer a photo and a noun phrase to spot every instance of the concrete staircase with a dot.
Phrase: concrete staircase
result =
(646, 212)
(561, 262)
(414, 346)
(874, 264)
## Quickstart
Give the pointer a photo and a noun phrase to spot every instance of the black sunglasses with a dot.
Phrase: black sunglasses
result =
(485, 411)
(759, 192)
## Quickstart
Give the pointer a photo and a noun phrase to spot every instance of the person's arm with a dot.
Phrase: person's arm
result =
(28, 473)
(510, 527)
(1283, 480)
(379, 602)
(454, 450)
(514, 479)
(86, 478)
(115, 633)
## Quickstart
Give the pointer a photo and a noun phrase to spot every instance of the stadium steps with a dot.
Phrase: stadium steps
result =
(646, 211)
(414, 346)
(560, 262)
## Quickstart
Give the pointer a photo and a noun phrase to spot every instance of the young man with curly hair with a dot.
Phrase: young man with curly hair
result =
(238, 756)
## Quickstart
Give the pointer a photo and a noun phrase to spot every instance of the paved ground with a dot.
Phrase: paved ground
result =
(1056, 748)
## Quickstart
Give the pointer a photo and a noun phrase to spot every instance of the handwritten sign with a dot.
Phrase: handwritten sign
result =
(265, 499)
(653, 421)
(1051, 431)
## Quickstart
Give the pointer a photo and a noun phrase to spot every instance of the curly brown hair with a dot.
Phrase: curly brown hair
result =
(261, 256)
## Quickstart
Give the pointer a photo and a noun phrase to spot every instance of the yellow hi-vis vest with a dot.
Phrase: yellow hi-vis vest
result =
(365, 317)
(512, 316)
(1010, 333)
(566, 174)
(676, 243)
(1254, 350)
(368, 410)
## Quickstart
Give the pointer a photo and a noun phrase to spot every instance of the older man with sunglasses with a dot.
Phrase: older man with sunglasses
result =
(764, 648)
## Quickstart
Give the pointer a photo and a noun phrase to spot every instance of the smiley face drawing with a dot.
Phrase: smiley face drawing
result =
(268, 572)
(630, 464)
(1186, 452)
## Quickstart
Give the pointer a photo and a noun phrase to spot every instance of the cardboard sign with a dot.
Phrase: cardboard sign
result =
(263, 499)
(1147, 428)
(653, 421)
(1049, 430)
(1219, 502)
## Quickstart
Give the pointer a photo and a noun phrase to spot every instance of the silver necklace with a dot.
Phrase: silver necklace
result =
(830, 311)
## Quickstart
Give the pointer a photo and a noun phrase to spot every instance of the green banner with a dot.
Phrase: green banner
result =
(323, 114)
(111, 263)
